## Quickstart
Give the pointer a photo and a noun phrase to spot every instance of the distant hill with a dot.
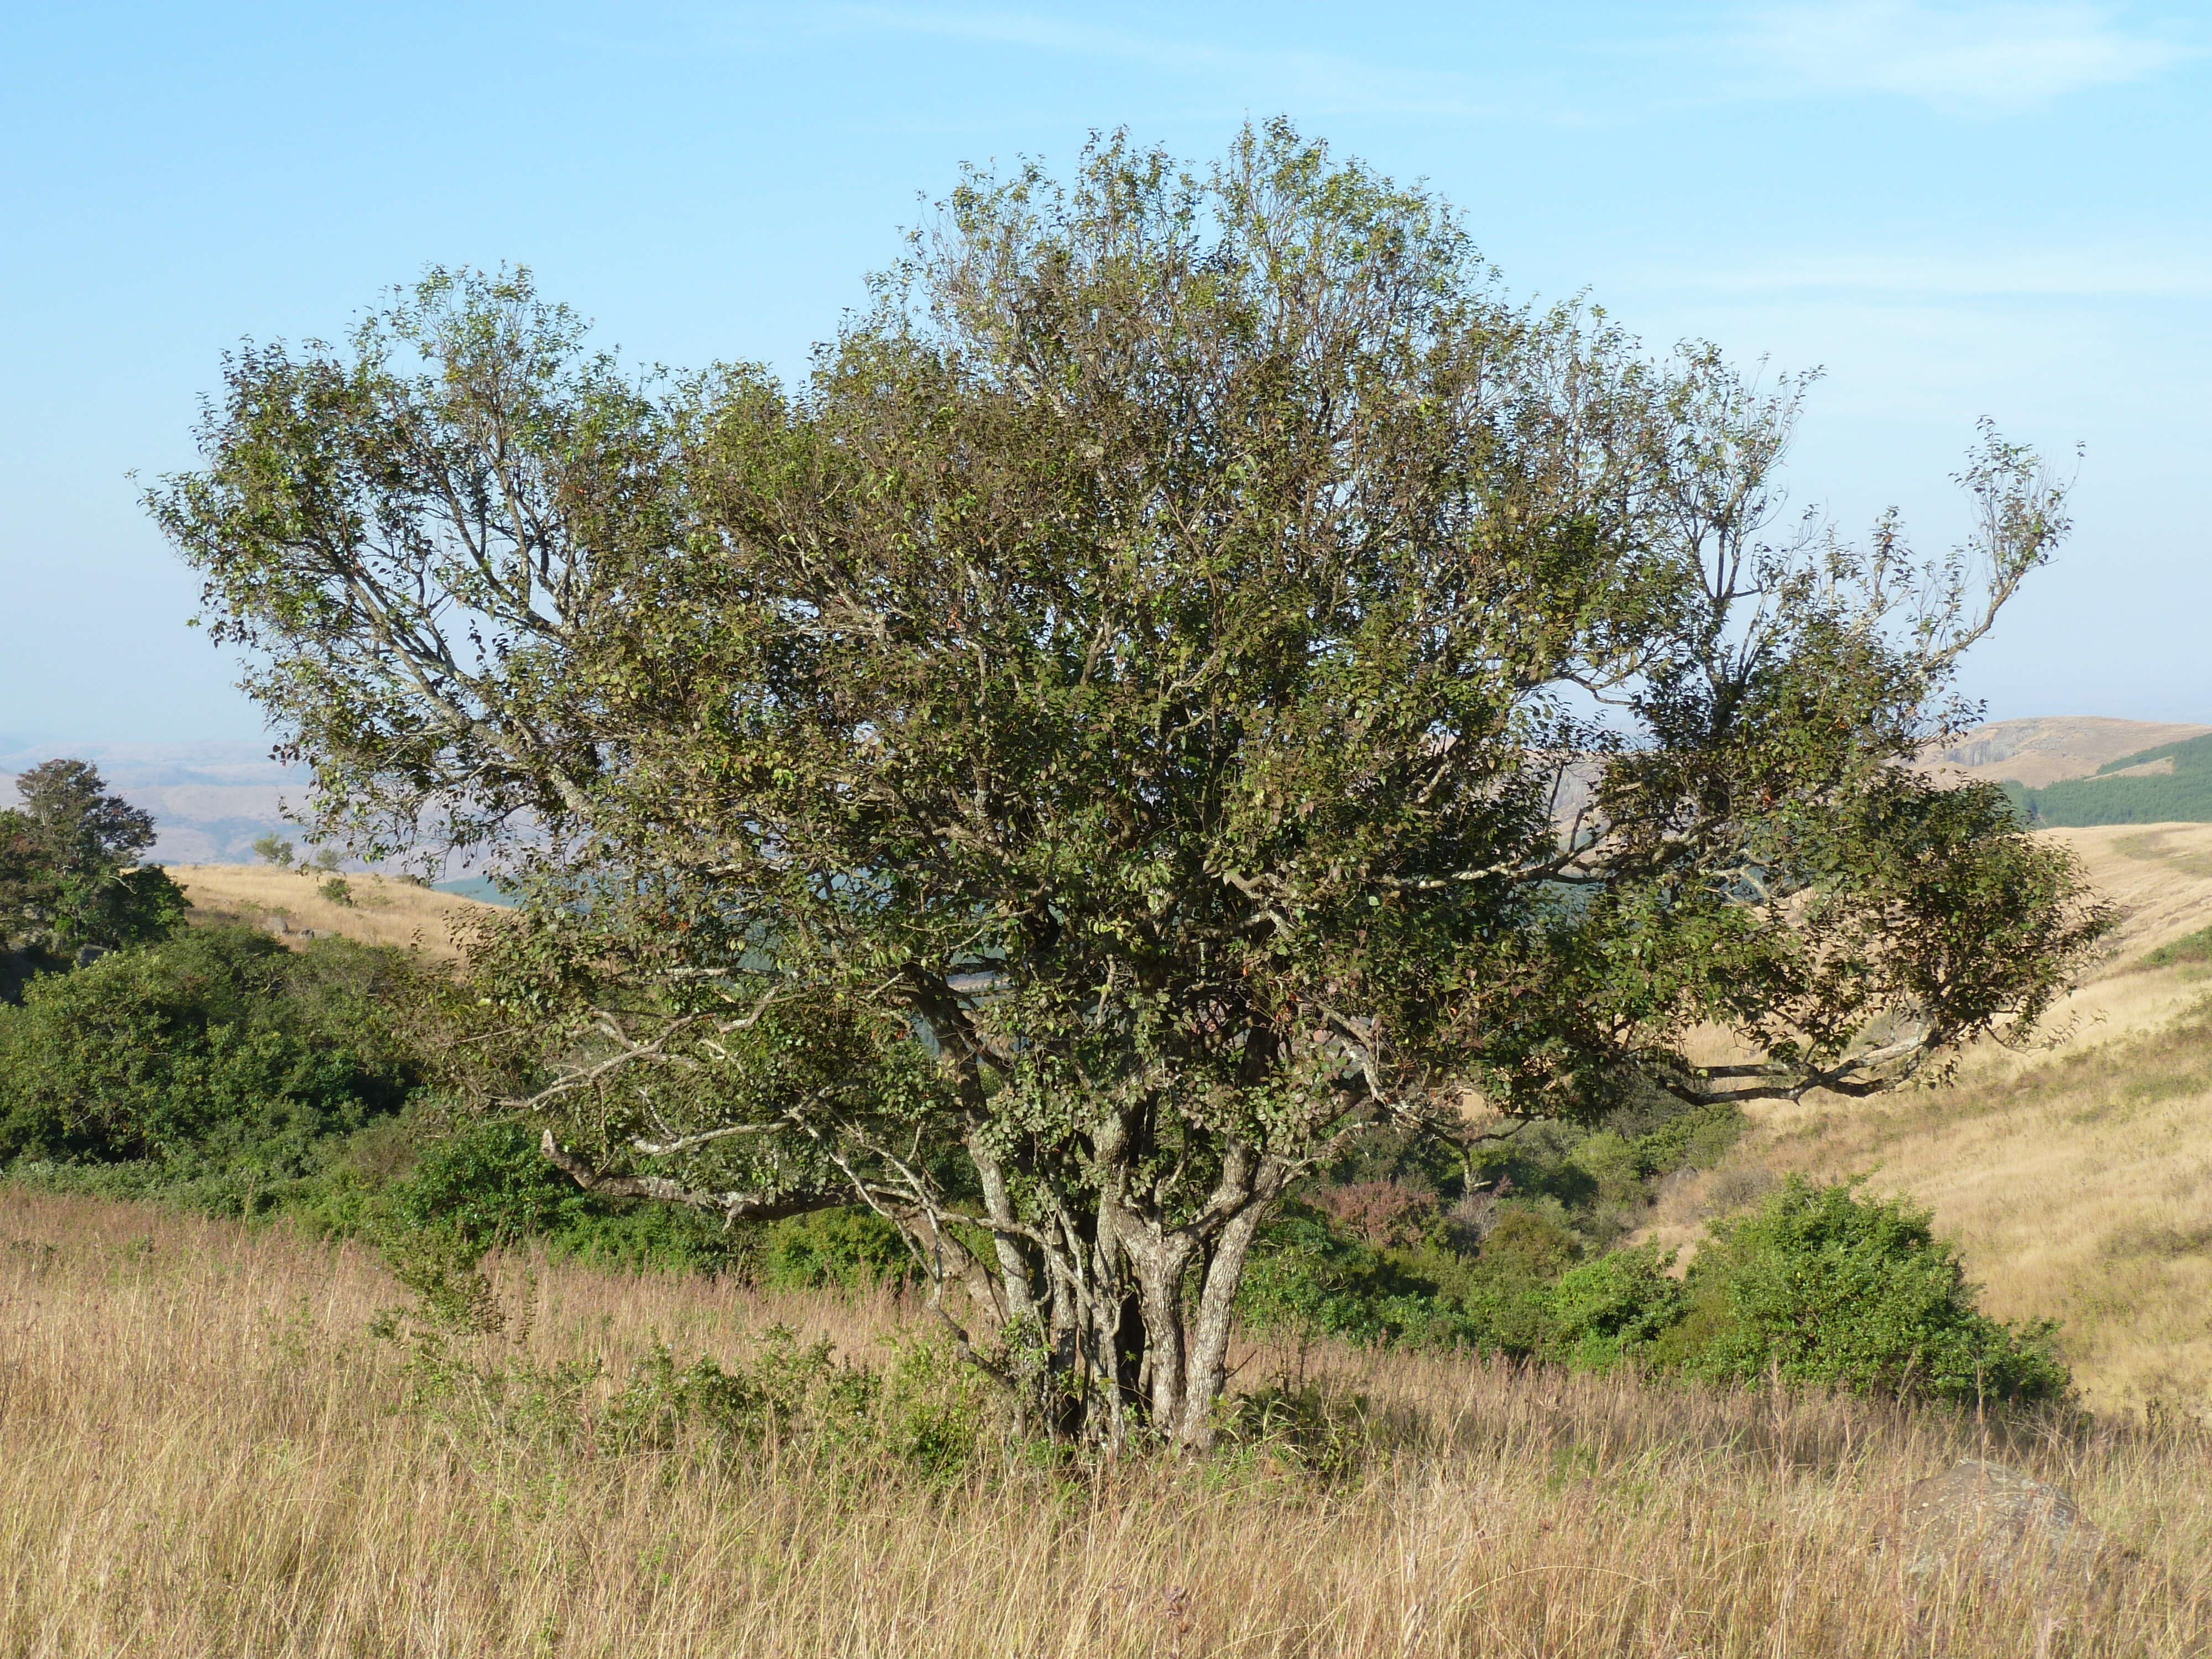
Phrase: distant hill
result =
(2052, 749)
(2171, 783)
(209, 800)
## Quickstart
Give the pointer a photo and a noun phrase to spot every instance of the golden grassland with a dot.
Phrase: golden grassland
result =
(383, 911)
(204, 1452)
(2077, 1178)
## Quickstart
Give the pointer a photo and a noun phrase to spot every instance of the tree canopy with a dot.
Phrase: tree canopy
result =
(69, 876)
(1196, 672)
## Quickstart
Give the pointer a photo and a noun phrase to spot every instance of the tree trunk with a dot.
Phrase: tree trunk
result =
(1206, 1367)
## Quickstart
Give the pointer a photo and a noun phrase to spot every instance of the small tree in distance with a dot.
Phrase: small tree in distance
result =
(271, 848)
(69, 875)
(1195, 675)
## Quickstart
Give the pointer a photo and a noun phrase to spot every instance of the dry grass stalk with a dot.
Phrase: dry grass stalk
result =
(202, 1453)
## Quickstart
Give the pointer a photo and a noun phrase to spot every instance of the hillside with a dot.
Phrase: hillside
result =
(2078, 1180)
(2047, 749)
(221, 1439)
(383, 911)
(2169, 783)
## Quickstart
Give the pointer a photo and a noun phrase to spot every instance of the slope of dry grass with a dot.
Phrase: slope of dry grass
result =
(203, 1454)
(2078, 1180)
(383, 911)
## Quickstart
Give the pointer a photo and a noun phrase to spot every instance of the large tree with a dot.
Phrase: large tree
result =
(1194, 674)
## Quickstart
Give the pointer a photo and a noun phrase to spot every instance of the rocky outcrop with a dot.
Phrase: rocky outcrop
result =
(1993, 1521)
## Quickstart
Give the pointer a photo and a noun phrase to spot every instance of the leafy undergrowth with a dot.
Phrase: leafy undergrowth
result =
(2190, 950)
(207, 1448)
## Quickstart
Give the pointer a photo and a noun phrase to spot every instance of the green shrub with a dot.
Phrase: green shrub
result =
(926, 1415)
(848, 1248)
(1505, 1291)
(2192, 949)
(1614, 1307)
(485, 1182)
(1307, 1279)
(1820, 1286)
(214, 1051)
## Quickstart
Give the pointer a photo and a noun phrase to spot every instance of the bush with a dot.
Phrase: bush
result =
(1613, 1308)
(927, 1414)
(2190, 949)
(483, 1183)
(487, 1184)
(1820, 1286)
(1505, 1292)
(1307, 1281)
(217, 1050)
(848, 1248)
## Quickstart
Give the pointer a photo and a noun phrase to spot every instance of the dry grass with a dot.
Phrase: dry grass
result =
(2080, 1190)
(2078, 1181)
(383, 911)
(202, 1454)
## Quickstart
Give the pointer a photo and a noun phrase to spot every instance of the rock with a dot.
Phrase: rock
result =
(1990, 1519)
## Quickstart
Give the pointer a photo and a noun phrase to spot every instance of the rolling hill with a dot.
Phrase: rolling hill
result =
(2049, 750)
(2168, 784)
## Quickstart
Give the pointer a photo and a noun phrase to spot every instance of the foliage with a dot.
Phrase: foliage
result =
(1817, 1286)
(215, 1049)
(1106, 743)
(1509, 1293)
(272, 848)
(485, 1183)
(67, 877)
(1603, 1310)
(1603, 1176)
(2190, 949)
(2181, 795)
(1307, 1282)
(1821, 1287)
(925, 1415)
(852, 1250)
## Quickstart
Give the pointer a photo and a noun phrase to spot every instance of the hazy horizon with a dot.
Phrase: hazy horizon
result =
(1957, 210)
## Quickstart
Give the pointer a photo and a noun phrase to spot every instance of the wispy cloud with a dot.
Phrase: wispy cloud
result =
(1983, 55)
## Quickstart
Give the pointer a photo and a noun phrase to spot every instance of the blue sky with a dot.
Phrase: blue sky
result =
(1956, 210)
